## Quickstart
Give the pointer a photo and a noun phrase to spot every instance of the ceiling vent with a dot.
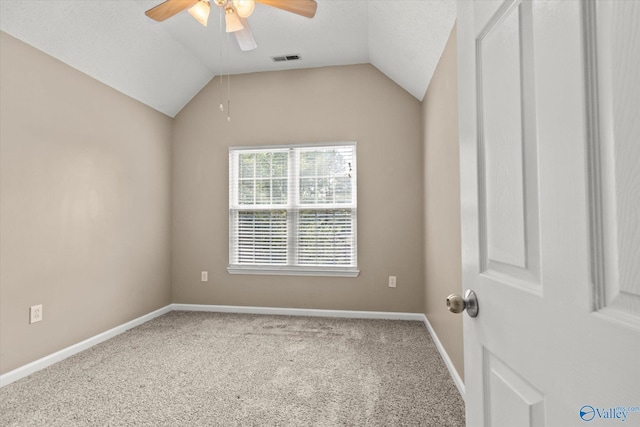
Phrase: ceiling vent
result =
(283, 58)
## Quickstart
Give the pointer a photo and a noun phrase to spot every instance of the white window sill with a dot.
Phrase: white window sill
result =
(294, 271)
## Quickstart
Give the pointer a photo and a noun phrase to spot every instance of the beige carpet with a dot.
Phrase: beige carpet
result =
(212, 369)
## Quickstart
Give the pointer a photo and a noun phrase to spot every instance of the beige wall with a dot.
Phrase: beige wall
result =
(85, 204)
(442, 202)
(350, 103)
(84, 207)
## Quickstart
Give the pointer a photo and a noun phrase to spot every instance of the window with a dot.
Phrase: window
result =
(292, 210)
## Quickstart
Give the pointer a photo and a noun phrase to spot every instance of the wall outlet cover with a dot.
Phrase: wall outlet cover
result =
(35, 313)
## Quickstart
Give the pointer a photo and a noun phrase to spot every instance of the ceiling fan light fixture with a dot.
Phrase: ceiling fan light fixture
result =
(232, 20)
(200, 11)
(244, 7)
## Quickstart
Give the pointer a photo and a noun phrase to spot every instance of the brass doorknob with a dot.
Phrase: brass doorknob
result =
(457, 304)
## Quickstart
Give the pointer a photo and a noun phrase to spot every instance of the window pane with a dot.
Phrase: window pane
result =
(263, 165)
(307, 190)
(279, 191)
(321, 163)
(339, 162)
(307, 163)
(280, 165)
(263, 192)
(261, 237)
(246, 196)
(342, 190)
(247, 165)
(325, 192)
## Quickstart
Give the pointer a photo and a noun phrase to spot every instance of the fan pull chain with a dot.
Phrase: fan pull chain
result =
(220, 58)
(228, 80)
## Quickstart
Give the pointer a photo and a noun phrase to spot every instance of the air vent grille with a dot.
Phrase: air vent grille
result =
(283, 58)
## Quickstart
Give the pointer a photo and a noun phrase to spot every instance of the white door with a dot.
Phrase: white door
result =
(550, 182)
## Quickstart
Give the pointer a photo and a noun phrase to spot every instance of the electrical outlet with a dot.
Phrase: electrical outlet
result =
(35, 313)
(204, 276)
(392, 281)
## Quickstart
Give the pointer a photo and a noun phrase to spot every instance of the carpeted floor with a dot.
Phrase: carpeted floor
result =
(213, 369)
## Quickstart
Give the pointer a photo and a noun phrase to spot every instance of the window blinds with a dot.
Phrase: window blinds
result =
(293, 207)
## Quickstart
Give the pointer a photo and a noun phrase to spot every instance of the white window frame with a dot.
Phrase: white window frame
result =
(292, 207)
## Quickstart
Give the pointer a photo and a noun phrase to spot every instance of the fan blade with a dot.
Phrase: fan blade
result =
(169, 8)
(301, 7)
(244, 37)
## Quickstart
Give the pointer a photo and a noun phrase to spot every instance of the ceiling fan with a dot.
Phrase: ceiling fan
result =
(236, 12)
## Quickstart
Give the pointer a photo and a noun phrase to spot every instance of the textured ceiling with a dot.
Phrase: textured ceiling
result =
(165, 64)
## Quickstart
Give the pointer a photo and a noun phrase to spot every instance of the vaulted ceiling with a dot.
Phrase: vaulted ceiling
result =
(165, 64)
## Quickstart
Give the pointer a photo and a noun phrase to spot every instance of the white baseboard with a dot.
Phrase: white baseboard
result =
(58, 356)
(300, 312)
(49, 360)
(445, 356)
